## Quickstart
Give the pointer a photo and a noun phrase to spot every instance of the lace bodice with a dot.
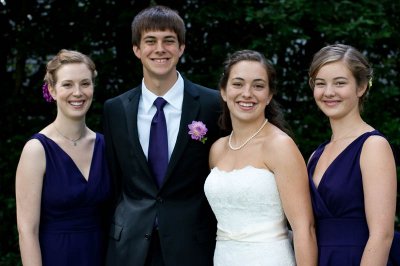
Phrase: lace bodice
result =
(250, 218)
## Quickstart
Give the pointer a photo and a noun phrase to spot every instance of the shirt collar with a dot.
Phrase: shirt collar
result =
(174, 95)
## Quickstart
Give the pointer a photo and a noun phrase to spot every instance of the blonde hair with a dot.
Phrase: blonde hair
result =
(66, 57)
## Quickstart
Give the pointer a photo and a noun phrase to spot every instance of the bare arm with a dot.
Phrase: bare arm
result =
(291, 176)
(379, 183)
(28, 185)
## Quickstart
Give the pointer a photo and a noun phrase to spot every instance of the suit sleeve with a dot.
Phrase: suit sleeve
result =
(108, 113)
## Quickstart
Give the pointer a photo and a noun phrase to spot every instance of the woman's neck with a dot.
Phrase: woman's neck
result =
(348, 128)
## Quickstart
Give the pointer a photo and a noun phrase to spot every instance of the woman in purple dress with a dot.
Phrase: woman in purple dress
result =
(62, 180)
(353, 175)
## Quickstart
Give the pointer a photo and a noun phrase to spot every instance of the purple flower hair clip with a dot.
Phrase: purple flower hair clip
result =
(46, 93)
(198, 131)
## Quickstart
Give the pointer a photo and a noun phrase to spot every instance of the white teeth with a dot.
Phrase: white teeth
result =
(160, 60)
(246, 104)
(76, 103)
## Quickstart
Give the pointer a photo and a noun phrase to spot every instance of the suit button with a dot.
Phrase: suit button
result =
(147, 236)
(160, 200)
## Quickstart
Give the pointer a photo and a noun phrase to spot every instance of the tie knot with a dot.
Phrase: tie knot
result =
(159, 103)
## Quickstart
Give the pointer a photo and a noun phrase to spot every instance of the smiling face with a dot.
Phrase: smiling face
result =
(73, 90)
(159, 52)
(335, 90)
(247, 92)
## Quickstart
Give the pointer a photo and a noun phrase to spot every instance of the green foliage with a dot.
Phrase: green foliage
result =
(288, 32)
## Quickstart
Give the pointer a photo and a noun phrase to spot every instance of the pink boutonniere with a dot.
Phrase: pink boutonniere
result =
(198, 131)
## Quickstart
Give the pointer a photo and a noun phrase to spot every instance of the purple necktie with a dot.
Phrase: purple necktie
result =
(158, 145)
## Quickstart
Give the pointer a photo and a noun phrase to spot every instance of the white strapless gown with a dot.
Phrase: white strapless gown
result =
(251, 223)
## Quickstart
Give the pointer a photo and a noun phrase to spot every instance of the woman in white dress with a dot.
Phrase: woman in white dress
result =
(258, 180)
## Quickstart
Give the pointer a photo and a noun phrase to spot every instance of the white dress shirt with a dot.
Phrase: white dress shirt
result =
(172, 111)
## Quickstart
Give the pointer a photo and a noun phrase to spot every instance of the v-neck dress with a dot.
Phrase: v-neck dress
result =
(338, 204)
(73, 219)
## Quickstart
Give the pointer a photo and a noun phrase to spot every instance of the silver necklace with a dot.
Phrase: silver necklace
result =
(247, 140)
(74, 141)
(348, 137)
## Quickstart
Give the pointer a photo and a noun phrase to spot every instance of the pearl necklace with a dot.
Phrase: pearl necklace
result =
(247, 140)
(74, 141)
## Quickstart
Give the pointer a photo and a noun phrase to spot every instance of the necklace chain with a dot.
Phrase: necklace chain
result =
(74, 141)
(247, 140)
(348, 137)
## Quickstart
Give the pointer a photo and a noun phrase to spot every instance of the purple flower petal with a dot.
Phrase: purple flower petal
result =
(46, 93)
(198, 130)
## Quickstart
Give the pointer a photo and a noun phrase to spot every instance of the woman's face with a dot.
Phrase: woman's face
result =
(247, 91)
(73, 90)
(335, 90)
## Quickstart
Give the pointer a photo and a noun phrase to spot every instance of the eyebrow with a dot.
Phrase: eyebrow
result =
(256, 80)
(71, 80)
(333, 78)
(165, 37)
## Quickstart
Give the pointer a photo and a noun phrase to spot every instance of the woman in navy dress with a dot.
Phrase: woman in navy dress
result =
(353, 175)
(62, 180)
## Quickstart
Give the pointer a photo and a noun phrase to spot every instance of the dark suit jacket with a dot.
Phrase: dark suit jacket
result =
(187, 226)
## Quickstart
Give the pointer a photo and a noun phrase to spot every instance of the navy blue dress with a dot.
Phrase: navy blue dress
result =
(74, 211)
(338, 204)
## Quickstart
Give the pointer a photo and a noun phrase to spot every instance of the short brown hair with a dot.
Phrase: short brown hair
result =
(157, 18)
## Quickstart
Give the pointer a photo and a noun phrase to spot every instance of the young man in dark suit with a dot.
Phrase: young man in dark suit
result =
(162, 216)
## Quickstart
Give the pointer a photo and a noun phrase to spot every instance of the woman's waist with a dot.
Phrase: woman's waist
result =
(71, 224)
(256, 232)
(342, 231)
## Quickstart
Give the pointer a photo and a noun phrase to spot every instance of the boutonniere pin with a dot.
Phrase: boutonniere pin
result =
(198, 131)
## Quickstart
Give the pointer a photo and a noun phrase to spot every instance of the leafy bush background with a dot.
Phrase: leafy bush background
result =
(288, 32)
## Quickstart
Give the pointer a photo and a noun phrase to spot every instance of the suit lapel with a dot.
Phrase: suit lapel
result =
(131, 108)
(190, 109)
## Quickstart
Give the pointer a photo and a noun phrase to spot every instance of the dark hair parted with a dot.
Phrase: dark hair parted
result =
(356, 62)
(64, 57)
(273, 110)
(157, 18)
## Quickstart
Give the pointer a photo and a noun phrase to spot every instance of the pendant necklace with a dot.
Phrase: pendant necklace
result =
(247, 140)
(74, 141)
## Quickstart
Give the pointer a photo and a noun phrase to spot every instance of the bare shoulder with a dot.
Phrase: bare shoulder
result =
(376, 147)
(218, 148)
(281, 150)
(376, 141)
(279, 142)
(32, 154)
(32, 162)
(33, 148)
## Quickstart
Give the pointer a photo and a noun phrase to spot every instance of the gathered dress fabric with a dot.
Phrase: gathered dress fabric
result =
(339, 210)
(252, 228)
(74, 211)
